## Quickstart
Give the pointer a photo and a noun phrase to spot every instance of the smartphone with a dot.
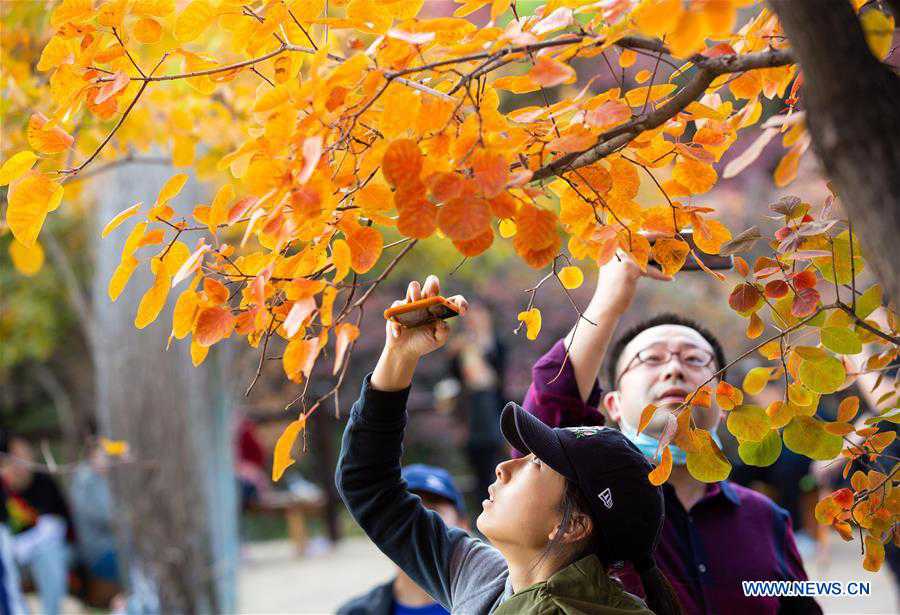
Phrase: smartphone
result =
(422, 312)
(712, 261)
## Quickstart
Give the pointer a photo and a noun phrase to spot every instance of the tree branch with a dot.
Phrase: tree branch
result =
(707, 70)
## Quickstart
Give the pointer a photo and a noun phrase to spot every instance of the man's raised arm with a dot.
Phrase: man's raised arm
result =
(616, 284)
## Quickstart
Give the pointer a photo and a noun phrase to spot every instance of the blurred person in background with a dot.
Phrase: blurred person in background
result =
(92, 512)
(11, 600)
(401, 595)
(478, 360)
(662, 360)
(40, 521)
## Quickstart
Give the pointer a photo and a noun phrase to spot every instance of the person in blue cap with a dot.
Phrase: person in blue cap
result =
(401, 595)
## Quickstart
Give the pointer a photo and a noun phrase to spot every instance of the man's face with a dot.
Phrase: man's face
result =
(16, 475)
(645, 377)
(444, 508)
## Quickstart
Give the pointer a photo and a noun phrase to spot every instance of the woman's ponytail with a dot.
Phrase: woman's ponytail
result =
(658, 592)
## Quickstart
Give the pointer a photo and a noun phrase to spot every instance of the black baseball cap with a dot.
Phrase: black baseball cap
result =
(610, 472)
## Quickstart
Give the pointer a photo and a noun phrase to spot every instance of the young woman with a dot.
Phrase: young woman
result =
(557, 519)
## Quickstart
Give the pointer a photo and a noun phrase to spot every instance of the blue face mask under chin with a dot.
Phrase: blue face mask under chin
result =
(648, 444)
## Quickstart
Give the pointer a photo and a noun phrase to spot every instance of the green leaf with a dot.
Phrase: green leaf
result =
(750, 423)
(841, 269)
(841, 340)
(763, 453)
(707, 463)
(805, 436)
(869, 301)
(891, 414)
(824, 376)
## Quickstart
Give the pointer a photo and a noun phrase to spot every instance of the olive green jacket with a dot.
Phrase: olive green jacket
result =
(581, 588)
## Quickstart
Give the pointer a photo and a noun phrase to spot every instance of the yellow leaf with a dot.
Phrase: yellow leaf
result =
(121, 276)
(507, 228)
(28, 261)
(532, 320)
(879, 31)
(183, 151)
(657, 17)
(198, 353)
(688, 37)
(16, 166)
(787, 167)
(806, 435)
(218, 210)
(328, 297)
(660, 473)
(748, 423)
(29, 200)
(627, 58)
(340, 255)
(707, 463)
(147, 30)
(119, 218)
(114, 448)
(282, 456)
(755, 327)
(698, 177)
(874, 554)
(193, 20)
(153, 300)
(171, 188)
(638, 96)
(756, 379)
(571, 277)
(185, 312)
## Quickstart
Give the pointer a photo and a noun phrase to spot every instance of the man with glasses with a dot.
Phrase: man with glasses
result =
(715, 535)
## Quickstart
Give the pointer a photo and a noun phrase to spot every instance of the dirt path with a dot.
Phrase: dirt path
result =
(273, 580)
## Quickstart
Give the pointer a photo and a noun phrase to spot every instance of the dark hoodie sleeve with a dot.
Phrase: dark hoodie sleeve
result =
(368, 480)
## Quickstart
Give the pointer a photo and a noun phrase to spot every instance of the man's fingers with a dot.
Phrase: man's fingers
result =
(413, 291)
(460, 302)
(656, 274)
(432, 286)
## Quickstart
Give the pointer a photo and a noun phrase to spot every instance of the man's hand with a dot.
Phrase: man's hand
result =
(616, 284)
(403, 346)
(617, 281)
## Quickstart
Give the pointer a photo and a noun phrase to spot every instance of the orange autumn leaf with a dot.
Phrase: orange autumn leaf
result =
(661, 472)
(464, 218)
(365, 244)
(646, 415)
(282, 456)
(46, 137)
(670, 254)
(477, 245)
(549, 72)
(491, 171)
(213, 325)
(402, 162)
(345, 334)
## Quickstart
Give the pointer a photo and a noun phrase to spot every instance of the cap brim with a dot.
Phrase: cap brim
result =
(528, 434)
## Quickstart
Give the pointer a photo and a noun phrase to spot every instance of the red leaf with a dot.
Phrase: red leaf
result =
(744, 297)
(776, 289)
(804, 279)
(213, 324)
(805, 302)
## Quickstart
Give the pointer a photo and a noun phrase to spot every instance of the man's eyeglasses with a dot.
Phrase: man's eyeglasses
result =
(693, 358)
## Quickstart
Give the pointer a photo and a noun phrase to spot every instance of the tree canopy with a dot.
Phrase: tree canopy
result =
(339, 133)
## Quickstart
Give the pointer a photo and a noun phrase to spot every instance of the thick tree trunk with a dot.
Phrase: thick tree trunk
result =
(851, 102)
(177, 502)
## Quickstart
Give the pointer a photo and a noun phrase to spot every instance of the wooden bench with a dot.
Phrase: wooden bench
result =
(295, 510)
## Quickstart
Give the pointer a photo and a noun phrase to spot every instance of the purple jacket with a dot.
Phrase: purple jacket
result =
(732, 534)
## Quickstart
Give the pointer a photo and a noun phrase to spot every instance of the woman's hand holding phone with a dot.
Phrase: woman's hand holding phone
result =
(404, 346)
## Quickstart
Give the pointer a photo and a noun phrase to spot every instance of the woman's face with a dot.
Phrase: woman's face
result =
(522, 511)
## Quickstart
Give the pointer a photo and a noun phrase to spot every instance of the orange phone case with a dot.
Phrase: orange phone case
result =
(422, 311)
